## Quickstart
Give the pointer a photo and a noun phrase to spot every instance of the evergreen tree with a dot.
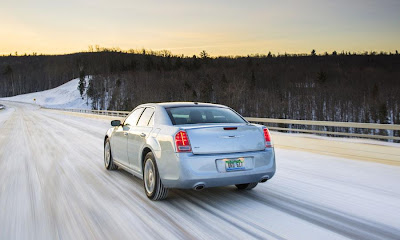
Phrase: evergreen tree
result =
(224, 89)
(313, 53)
(252, 81)
(91, 92)
(82, 82)
(178, 63)
(7, 70)
(224, 82)
(322, 77)
(383, 114)
(207, 89)
(375, 92)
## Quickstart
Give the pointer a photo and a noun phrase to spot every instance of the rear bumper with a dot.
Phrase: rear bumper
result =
(208, 170)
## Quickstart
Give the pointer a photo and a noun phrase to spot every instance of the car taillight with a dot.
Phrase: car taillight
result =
(267, 137)
(182, 142)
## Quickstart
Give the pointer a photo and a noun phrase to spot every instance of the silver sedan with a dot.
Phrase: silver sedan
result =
(189, 145)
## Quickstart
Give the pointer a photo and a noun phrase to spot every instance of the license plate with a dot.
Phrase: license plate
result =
(234, 164)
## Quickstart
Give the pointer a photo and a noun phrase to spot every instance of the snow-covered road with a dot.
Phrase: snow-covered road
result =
(53, 186)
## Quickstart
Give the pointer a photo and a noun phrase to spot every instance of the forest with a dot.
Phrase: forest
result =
(332, 87)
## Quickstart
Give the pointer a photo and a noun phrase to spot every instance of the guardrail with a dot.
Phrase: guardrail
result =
(351, 126)
(98, 112)
(301, 126)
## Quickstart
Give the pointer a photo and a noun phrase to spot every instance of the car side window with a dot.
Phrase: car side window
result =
(133, 118)
(151, 121)
(145, 118)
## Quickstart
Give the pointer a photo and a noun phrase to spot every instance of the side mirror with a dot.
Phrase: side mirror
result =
(115, 123)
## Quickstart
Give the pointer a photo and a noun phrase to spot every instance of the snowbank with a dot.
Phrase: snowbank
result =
(64, 96)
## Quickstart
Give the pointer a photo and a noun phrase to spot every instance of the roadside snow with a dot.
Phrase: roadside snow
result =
(339, 139)
(5, 113)
(53, 185)
(64, 96)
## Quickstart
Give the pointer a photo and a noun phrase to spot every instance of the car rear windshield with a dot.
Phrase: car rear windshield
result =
(194, 115)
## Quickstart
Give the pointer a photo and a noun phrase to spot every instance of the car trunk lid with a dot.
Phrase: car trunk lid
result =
(225, 138)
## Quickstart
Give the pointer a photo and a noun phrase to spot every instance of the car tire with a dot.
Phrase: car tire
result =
(152, 184)
(246, 186)
(108, 159)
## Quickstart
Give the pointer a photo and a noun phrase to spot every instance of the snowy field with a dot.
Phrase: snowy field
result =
(64, 96)
(53, 186)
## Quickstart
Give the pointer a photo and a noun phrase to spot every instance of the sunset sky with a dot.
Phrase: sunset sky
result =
(225, 27)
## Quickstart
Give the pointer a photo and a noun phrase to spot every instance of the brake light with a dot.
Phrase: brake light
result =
(182, 142)
(267, 137)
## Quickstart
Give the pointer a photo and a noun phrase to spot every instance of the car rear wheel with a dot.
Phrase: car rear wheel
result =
(108, 160)
(246, 186)
(153, 186)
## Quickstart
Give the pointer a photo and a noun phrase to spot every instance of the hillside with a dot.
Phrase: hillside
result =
(64, 96)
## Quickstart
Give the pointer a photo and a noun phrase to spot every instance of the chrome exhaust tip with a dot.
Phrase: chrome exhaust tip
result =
(199, 187)
(263, 180)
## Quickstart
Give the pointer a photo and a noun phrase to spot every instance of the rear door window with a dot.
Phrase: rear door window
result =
(151, 122)
(133, 117)
(145, 118)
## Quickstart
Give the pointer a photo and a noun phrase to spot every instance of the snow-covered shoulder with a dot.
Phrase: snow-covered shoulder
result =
(339, 139)
(65, 96)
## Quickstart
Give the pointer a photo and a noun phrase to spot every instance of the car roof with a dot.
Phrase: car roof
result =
(184, 104)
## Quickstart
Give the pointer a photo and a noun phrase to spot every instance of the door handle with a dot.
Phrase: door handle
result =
(143, 135)
(125, 134)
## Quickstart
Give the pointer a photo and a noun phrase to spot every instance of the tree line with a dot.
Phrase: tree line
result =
(332, 87)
